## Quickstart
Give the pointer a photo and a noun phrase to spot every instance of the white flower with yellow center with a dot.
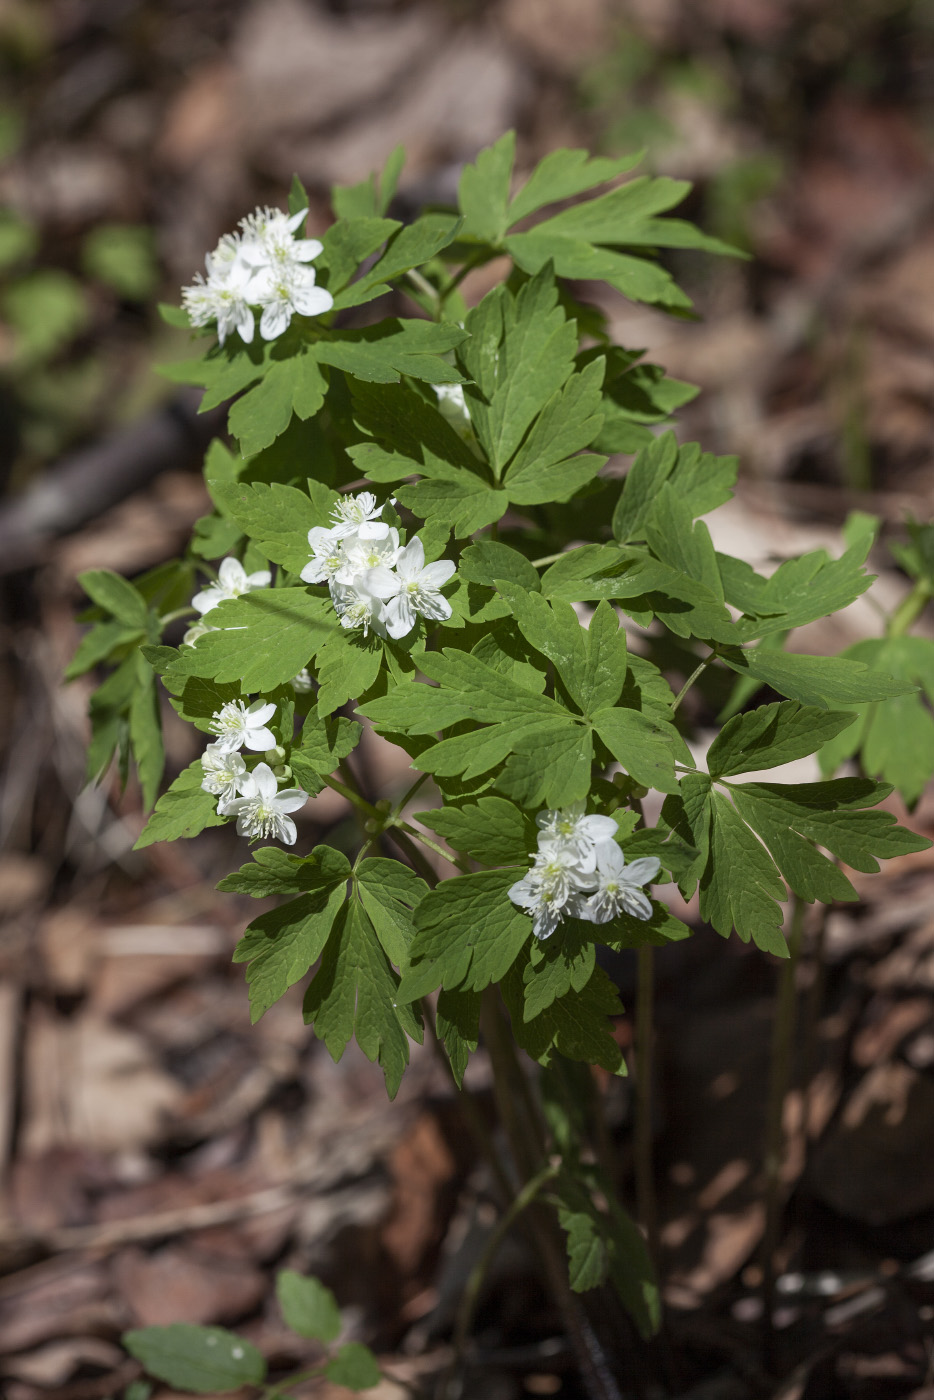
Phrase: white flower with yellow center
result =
(576, 833)
(618, 887)
(359, 515)
(224, 772)
(549, 887)
(239, 726)
(232, 582)
(413, 590)
(262, 810)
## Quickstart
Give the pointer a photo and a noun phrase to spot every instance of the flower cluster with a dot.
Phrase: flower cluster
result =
(580, 871)
(374, 581)
(263, 266)
(232, 582)
(252, 796)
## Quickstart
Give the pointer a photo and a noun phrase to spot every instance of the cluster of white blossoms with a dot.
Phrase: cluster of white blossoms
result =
(232, 582)
(264, 267)
(252, 796)
(374, 581)
(580, 872)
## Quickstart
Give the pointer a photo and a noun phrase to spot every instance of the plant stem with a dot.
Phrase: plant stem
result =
(645, 1175)
(783, 1031)
(595, 1372)
(352, 796)
(481, 1269)
(168, 617)
(909, 609)
(695, 674)
(280, 1388)
(407, 798)
(427, 841)
(408, 846)
(548, 559)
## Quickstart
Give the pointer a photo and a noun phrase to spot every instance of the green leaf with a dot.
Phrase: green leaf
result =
(182, 811)
(202, 1359)
(413, 246)
(324, 742)
(348, 664)
(491, 831)
(702, 482)
(355, 1367)
(740, 887)
(520, 353)
(895, 737)
(281, 946)
(483, 193)
(575, 1025)
(772, 735)
(643, 746)
(563, 174)
(200, 699)
(468, 934)
(544, 468)
(606, 1243)
(465, 505)
(355, 993)
(264, 639)
(576, 258)
(811, 586)
(123, 257)
(383, 353)
(145, 723)
(550, 766)
(295, 385)
(591, 662)
(488, 560)
(115, 595)
(555, 967)
(390, 893)
(458, 1026)
(823, 681)
(275, 871)
(100, 643)
(308, 1308)
(277, 518)
(683, 544)
(831, 814)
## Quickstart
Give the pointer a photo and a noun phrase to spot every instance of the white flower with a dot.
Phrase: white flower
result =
(550, 886)
(618, 886)
(327, 555)
(261, 809)
(358, 515)
(359, 555)
(233, 580)
(196, 630)
(265, 266)
(224, 772)
(412, 589)
(302, 683)
(282, 291)
(576, 833)
(240, 727)
(357, 607)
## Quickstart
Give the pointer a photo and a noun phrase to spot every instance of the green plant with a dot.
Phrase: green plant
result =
(210, 1359)
(446, 604)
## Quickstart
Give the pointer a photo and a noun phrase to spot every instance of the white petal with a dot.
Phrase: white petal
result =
(275, 320)
(400, 616)
(599, 829)
(412, 559)
(264, 780)
(643, 871)
(290, 799)
(231, 573)
(260, 712)
(438, 573)
(259, 740)
(382, 582)
(296, 220)
(207, 599)
(246, 324)
(314, 572)
(261, 579)
(312, 301)
(636, 903)
(306, 249)
(372, 530)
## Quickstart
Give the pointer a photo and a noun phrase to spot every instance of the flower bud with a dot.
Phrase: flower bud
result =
(274, 756)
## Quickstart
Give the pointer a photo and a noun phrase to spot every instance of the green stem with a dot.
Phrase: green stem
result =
(353, 796)
(909, 609)
(695, 675)
(271, 1391)
(407, 798)
(644, 1167)
(459, 276)
(431, 845)
(426, 289)
(481, 1269)
(783, 1035)
(168, 617)
(548, 559)
(408, 846)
